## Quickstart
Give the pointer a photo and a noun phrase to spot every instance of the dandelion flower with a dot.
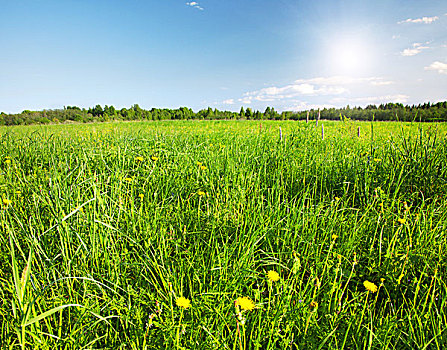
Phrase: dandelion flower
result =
(377, 160)
(337, 198)
(273, 276)
(199, 163)
(203, 167)
(8, 161)
(128, 179)
(313, 304)
(402, 221)
(154, 158)
(201, 193)
(141, 195)
(245, 303)
(140, 159)
(370, 286)
(7, 201)
(183, 302)
(334, 237)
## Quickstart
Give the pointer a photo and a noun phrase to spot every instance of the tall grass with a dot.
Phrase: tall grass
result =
(205, 213)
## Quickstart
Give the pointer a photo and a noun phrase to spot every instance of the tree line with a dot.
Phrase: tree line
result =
(425, 112)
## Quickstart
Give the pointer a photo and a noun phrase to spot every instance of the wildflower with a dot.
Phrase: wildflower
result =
(154, 158)
(377, 160)
(199, 163)
(201, 193)
(402, 221)
(337, 198)
(7, 201)
(81, 209)
(202, 167)
(183, 302)
(151, 322)
(141, 195)
(140, 159)
(370, 286)
(8, 161)
(382, 280)
(334, 237)
(314, 304)
(273, 276)
(245, 303)
(128, 179)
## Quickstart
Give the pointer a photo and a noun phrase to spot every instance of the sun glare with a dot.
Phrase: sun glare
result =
(350, 56)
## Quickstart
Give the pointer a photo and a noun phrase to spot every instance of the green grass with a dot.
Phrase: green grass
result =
(107, 242)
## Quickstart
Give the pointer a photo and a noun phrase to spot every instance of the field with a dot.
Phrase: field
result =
(223, 235)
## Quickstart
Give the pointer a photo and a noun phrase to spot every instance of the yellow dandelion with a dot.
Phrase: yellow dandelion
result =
(313, 304)
(141, 195)
(201, 193)
(8, 161)
(199, 163)
(245, 303)
(402, 221)
(81, 209)
(7, 201)
(377, 160)
(337, 198)
(140, 159)
(203, 167)
(370, 286)
(128, 179)
(273, 276)
(183, 302)
(334, 237)
(154, 158)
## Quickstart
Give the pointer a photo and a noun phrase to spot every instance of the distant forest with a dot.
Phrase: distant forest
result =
(425, 112)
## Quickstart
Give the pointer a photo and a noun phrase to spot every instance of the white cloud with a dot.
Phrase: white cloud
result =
(230, 101)
(381, 82)
(426, 20)
(245, 100)
(195, 5)
(273, 93)
(303, 106)
(344, 80)
(440, 67)
(398, 98)
(414, 50)
(313, 87)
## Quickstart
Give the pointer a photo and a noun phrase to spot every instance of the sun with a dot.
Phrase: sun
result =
(349, 55)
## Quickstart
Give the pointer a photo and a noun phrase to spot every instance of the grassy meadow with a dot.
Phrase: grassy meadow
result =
(222, 235)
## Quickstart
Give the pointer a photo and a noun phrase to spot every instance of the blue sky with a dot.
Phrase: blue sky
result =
(291, 55)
